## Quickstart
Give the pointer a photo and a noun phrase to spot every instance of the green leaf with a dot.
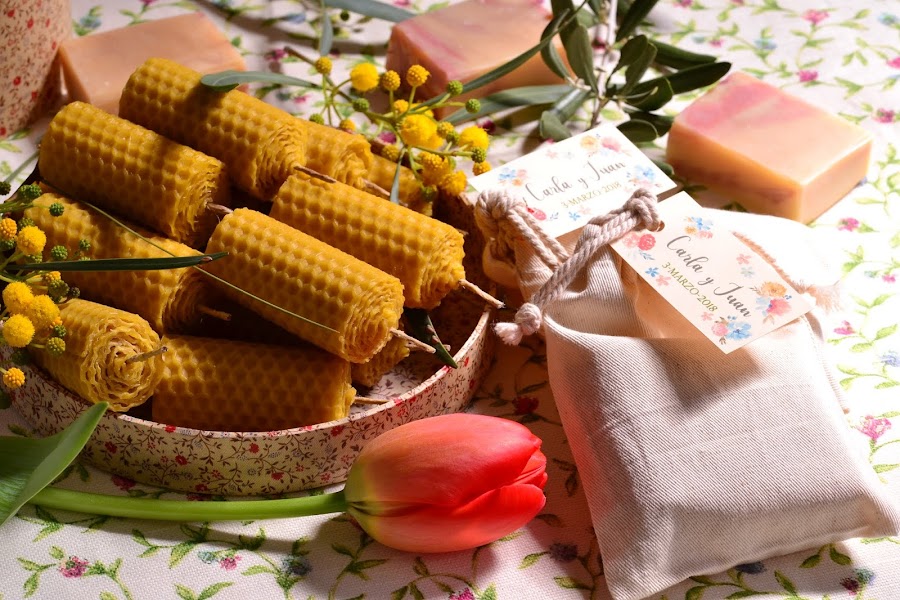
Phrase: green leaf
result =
(811, 562)
(886, 331)
(258, 570)
(551, 56)
(521, 96)
(786, 583)
(861, 347)
(688, 79)
(326, 38)
(490, 593)
(654, 99)
(676, 58)
(636, 69)
(179, 552)
(105, 595)
(884, 468)
(551, 127)
(531, 559)
(743, 594)
(57, 552)
(213, 589)
(120, 264)
(420, 327)
(372, 8)
(638, 131)
(631, 51)
(225, 81)
(887, 384)
(400, 594)
(420, 568)
(633, 17)
(31, 585)
(184, 592)
(31, 464)
(661, 123)
(838, 557)
(577, 43)
(342, 549)
(695, 593)
(570, 584)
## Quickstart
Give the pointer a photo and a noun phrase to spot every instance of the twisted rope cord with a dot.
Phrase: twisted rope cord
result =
(503, 217)
(639, 212)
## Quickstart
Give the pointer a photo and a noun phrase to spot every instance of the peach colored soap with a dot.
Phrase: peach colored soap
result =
(96, 67)
(767, 150)
(468, 39)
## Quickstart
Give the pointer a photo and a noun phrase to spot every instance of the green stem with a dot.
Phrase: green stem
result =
(187, 510)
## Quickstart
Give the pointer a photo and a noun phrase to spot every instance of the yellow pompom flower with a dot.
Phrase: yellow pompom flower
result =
(391, 152)
(434, 169)
(445, 128)
(8, 229)
(419, 130)
(17, 296)
(323, 65)
(400, 106)
(347, 125)
(13, 378)
(474, 137)
(364, 77)
(417, 75)
(18, 331)
(453, 183)
(51, 276)
(482, 167)
(31, 240)
(42, 312)
(389, 81)
(431, 162)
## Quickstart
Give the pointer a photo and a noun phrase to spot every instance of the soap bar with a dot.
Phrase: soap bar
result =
(96, 67)
(468, 39)
(771, 152)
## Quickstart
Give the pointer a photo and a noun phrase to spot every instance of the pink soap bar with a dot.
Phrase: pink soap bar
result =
(767, 150)
(468, 39)
(97, 66)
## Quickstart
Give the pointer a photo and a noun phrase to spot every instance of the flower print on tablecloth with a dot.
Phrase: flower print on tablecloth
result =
(773, 300)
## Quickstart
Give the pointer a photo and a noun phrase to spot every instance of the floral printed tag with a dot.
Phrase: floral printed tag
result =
(725, 289)
(567, 183)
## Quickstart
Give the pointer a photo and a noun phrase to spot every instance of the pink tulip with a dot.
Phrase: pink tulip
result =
(447, 483)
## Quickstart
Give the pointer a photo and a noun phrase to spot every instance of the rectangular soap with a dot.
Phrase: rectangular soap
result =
(767, 150)
(468, 39)
(96, 67)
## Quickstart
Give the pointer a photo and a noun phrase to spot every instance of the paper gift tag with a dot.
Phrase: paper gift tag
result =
(725, 289)
(567, 183)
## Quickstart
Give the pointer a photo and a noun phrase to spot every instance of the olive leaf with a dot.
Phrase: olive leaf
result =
(119, 264)
(676, 58)
(633, 17)
(688, 79)
(521, 96)
(225, 81)
(28, 465)
(638, 131)
(326, 39)
(372, 8)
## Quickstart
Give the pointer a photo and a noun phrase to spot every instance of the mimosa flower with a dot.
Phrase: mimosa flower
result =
(364, 77)
(437, 485)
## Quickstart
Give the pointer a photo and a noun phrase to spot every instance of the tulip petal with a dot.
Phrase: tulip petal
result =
(447, 460)
(485, 519)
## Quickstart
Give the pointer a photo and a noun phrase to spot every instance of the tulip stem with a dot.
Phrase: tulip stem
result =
(187, 510)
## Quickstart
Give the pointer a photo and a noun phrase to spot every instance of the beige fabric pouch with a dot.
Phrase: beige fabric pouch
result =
(694, 461)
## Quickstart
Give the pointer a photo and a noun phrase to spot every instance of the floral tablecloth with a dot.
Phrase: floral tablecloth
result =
(840, 55)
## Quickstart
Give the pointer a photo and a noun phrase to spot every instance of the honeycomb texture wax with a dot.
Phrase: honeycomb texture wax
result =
(423, 253)
(96, 66)
(168, 298)
(133, 172)
(299, 273)
(337, 153)
(382, 172)
(259, 143)
(767, 150)
(224, 385)
(95, 363)
(369, 373)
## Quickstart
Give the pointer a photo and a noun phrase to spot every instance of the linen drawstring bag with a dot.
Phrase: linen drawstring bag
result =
(694, 461)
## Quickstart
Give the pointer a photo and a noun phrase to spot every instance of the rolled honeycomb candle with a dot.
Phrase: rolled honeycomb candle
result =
(96, 66)
(369, 373)
(423, 253)
(133, 172)
(98, 363)
(338, 154)
(224, 385)
(259, 143)
(769, 151)
(292, 270)
(170, 299)
(467, 39)
(410, 195)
